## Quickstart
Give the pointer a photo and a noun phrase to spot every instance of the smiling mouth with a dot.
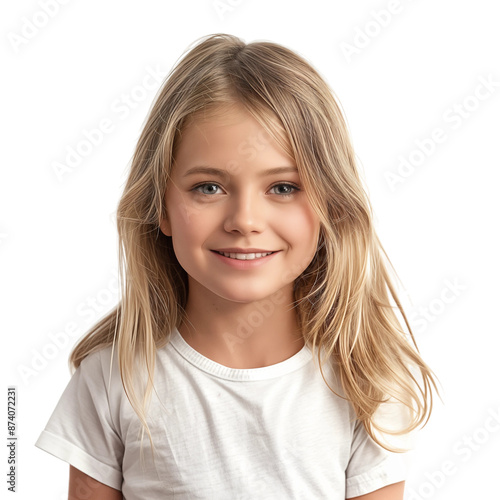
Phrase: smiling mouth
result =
(244, 256)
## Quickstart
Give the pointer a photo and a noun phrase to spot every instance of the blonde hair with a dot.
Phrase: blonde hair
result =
(342, 299)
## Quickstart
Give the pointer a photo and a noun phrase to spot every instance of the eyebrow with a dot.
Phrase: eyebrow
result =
(203, 169)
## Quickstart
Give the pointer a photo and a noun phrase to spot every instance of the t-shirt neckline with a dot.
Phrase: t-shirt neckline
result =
(207, 365)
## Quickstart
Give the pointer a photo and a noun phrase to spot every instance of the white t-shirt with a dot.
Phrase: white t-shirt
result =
(276, 432)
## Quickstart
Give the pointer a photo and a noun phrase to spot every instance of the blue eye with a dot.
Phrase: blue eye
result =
(197, 188)
(291, 189)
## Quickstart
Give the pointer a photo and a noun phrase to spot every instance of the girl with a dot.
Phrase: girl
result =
(255, 341)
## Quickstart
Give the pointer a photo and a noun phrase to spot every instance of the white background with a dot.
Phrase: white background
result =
(418, 67)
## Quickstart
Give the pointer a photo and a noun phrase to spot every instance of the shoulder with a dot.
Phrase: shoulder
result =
(95, 362)
(330, 377)
(99, 372)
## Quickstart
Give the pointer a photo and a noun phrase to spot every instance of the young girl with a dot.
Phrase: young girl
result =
(255, 341)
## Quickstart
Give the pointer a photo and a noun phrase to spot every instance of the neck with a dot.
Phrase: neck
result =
(243, 335)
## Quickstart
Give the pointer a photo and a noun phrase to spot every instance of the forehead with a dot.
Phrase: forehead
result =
(228, 135)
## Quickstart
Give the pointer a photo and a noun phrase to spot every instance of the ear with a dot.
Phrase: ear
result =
(165, 227)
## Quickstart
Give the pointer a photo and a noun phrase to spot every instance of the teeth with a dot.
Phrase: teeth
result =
(245, 256)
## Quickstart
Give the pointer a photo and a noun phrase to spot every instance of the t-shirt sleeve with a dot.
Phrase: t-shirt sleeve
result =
(371, 466)
(81, 431)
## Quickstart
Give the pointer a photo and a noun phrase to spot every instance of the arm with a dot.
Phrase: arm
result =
(391, 492)
(82, 486)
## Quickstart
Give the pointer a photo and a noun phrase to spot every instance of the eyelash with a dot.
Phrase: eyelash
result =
(286, 195)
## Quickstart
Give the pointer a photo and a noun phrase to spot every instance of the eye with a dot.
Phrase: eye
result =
(291, 189)
(206, 192)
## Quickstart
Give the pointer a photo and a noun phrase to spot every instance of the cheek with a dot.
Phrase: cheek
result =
(306, 229)
(190, 223)
(185, 212)
(303, 224)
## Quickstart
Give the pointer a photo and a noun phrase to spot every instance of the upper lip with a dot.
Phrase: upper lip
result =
(242, 250)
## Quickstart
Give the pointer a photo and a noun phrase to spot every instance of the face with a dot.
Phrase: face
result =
(222, 197)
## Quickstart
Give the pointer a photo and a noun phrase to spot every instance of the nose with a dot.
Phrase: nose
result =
(245, 213)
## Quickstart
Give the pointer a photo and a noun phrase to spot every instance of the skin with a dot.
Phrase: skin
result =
(391, 492)
(245, 209)
(84, 487)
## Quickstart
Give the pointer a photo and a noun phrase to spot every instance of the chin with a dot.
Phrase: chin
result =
(243, 296)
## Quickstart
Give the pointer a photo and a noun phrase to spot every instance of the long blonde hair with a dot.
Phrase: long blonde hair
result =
(342, 299)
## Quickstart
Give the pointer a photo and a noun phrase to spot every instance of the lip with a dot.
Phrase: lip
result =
(244, 264)
(242, 250)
